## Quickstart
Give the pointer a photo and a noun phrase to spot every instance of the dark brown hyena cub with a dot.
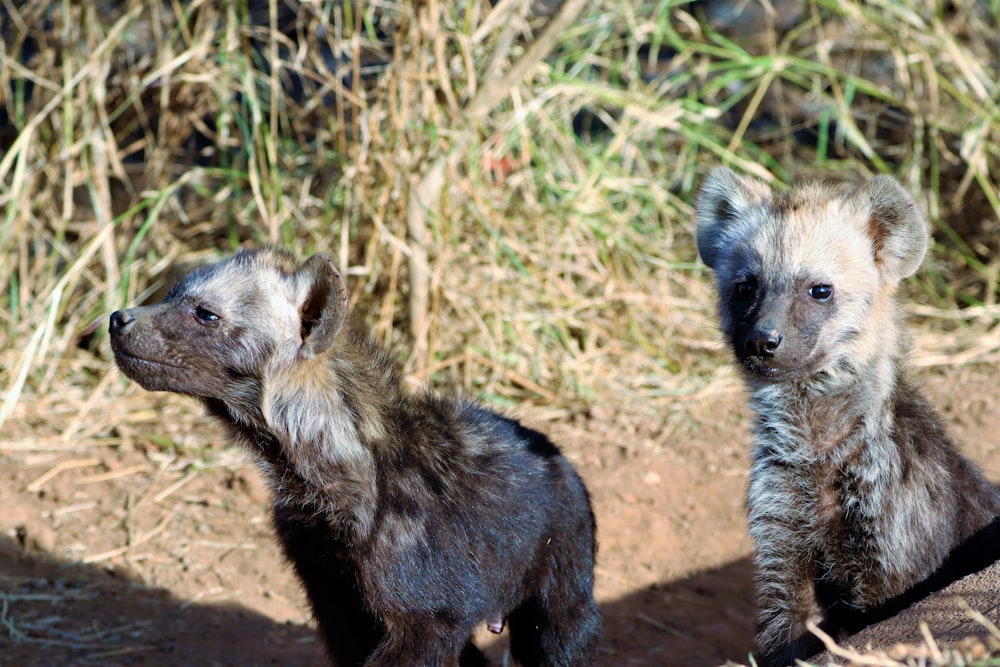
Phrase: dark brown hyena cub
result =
(858, 500)
(410, 518)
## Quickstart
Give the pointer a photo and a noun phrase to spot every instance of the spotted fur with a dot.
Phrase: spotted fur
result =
(857, 497)
(410, 518)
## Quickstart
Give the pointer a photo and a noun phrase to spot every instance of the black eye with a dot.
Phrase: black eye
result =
(745, 289)
(205, 315)
(821, 292)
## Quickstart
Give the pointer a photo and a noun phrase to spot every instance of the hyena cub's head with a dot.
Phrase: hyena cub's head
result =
(805, 278)
(223, 328)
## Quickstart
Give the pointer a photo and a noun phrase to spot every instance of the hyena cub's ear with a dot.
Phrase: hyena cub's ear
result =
(895, 225)
(324, 309)
(724, 199)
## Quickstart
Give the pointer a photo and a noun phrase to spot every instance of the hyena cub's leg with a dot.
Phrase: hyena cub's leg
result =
(786, 598)
(543, 634)
(348, 629)
(786, 573)
(561, 624)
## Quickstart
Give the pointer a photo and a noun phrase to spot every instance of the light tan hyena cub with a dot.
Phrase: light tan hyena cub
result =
(857, 497)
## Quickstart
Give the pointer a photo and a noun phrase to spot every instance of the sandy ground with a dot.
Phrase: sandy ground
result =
(134, 555)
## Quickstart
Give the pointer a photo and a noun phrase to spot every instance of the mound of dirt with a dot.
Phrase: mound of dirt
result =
(955, 618)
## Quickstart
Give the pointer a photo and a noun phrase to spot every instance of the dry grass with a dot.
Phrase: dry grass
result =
(492, 243)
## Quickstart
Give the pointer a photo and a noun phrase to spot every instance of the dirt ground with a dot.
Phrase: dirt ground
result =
(136, 555)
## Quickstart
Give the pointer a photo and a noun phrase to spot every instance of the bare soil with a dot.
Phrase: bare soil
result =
(138, 555)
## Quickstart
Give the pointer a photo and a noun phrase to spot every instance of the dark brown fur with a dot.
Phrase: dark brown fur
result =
(858, 502)
(410, 518)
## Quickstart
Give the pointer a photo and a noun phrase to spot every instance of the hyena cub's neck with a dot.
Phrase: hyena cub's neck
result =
(326, 420)
(833, 412)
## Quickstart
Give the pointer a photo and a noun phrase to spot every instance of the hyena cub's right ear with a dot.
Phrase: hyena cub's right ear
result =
(324, 309)
(724, 200)
(896, 227)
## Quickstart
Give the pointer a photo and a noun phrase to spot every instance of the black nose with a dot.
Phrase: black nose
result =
(121, 321)
(764, 342)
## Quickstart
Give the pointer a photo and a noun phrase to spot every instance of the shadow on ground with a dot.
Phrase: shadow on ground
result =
(66, 614)
(56, 613)
(699, 621)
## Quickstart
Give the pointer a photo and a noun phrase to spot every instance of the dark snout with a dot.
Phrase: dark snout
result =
(121, 322)
(138, 348)
(777, 339)
(769, 346)
(763, 350)
(776, 349)
(764, 341)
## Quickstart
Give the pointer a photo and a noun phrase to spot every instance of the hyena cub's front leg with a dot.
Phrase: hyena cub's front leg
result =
(787, 601)
(786, 591)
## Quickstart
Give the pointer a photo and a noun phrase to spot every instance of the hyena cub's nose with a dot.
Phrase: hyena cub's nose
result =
(121, 321)
(764, 342)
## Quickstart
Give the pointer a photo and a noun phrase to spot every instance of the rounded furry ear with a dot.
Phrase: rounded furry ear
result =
(895, 225)
(723, 201)
(324, 309)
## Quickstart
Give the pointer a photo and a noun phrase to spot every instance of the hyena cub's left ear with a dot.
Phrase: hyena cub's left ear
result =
(895, 225)
(324, 309)
(723, 201)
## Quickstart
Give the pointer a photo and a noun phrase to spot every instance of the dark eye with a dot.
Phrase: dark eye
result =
(745, 289)
(821, 292)
(205, 315)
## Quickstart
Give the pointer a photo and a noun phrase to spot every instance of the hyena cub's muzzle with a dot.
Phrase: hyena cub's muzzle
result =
(778, 341)
(761, 350)
(121, 322)
(763, 341)
(137, 355)
(149, 350)
(121, 326)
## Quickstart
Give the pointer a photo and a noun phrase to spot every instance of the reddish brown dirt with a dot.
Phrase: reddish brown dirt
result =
(130, 559)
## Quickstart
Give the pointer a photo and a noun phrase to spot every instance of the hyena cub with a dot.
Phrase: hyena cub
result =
(410, 518)
(856, 493)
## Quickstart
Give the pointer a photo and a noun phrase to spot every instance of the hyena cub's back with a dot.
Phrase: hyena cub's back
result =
(857, 496)
(410, 518)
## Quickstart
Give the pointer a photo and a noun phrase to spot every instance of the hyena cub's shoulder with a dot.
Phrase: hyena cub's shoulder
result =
(410, 518)
(857, 496)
